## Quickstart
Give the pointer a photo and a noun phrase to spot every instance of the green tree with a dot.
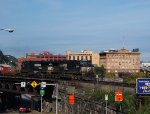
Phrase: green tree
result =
(110, 75)
(131, 78)
(100, 71)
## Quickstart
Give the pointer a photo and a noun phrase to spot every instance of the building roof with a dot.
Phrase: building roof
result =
(112, 51)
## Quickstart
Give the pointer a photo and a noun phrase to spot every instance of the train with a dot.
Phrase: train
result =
(66, 69)
(70, 69)
(7, 70)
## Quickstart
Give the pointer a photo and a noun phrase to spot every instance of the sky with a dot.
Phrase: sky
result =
(75, 25)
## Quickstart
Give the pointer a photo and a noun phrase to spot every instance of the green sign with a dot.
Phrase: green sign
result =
(42, 92)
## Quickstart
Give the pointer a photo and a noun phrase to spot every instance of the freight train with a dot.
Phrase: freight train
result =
(70, 69)
(7, 70)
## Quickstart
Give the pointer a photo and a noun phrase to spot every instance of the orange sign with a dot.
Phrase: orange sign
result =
(118, 92)
(71, 99)
(118, 96)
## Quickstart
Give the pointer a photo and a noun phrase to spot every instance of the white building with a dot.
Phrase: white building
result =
(145, 64)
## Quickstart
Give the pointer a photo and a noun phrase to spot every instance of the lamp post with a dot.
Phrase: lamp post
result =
(8, 29)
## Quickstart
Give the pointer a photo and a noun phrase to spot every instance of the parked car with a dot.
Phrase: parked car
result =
(24, 109)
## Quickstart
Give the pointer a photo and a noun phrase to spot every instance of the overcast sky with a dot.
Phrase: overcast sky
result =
(58, 25)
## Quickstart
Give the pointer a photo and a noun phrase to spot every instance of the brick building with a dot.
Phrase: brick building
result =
(44, 56)
(122, 60)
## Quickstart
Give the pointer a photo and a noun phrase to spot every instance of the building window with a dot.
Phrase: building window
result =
(81, 57)
(86, 58)
(69, 57)
(73, 57)
(90, 57)
(77, 57)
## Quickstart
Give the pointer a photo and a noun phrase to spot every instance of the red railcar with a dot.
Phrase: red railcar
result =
(7, 70)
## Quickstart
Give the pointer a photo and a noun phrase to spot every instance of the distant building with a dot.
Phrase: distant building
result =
(44, 56)
(145, 64)
(85, 55)
(116, 61)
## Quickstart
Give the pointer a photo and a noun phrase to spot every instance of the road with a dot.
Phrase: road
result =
(17, 112)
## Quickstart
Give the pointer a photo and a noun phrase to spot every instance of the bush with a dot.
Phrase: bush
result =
(128, 103)
(110, 75)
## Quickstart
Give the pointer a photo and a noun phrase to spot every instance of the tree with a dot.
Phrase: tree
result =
(100, 71)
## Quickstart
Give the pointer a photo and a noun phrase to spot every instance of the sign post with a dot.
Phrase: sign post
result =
(142, 88)
(34, 84)
(106, 99)
(23, 84)
(118, 98)
(97, 79)
(44, 84)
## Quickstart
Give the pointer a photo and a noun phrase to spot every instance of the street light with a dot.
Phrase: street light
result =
(9, 30)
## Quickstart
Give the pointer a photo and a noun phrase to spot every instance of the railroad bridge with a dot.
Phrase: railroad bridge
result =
(13, 85)
(65, 87)
(11, 90)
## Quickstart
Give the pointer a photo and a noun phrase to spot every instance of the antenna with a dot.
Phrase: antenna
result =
(123, 38)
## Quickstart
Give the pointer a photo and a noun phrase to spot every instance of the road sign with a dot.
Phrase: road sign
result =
(42, 92)
(143, 86)
(106, 97)
(96, 76)
(34, 84)
(43, 84)
(23, 84)
(71, 99)
(118, 93)
(118, 96)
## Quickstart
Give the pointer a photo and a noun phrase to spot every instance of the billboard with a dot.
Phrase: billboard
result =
(143, 86)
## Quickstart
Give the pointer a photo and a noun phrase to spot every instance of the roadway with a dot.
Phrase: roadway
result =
(17, 112)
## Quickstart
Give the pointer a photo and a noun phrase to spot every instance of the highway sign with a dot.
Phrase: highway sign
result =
(143, 86)
(42, 92)
(23, 84)
(43, 84)
(34, 84)
(106, 97)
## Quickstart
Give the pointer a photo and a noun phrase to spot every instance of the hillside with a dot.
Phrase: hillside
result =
(7, 59)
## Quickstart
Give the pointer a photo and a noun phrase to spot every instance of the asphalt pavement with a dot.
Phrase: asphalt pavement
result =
(17, 112)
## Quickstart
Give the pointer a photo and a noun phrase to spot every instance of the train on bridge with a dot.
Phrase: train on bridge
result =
(58, 69)
(66, 69)
(69, 69)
